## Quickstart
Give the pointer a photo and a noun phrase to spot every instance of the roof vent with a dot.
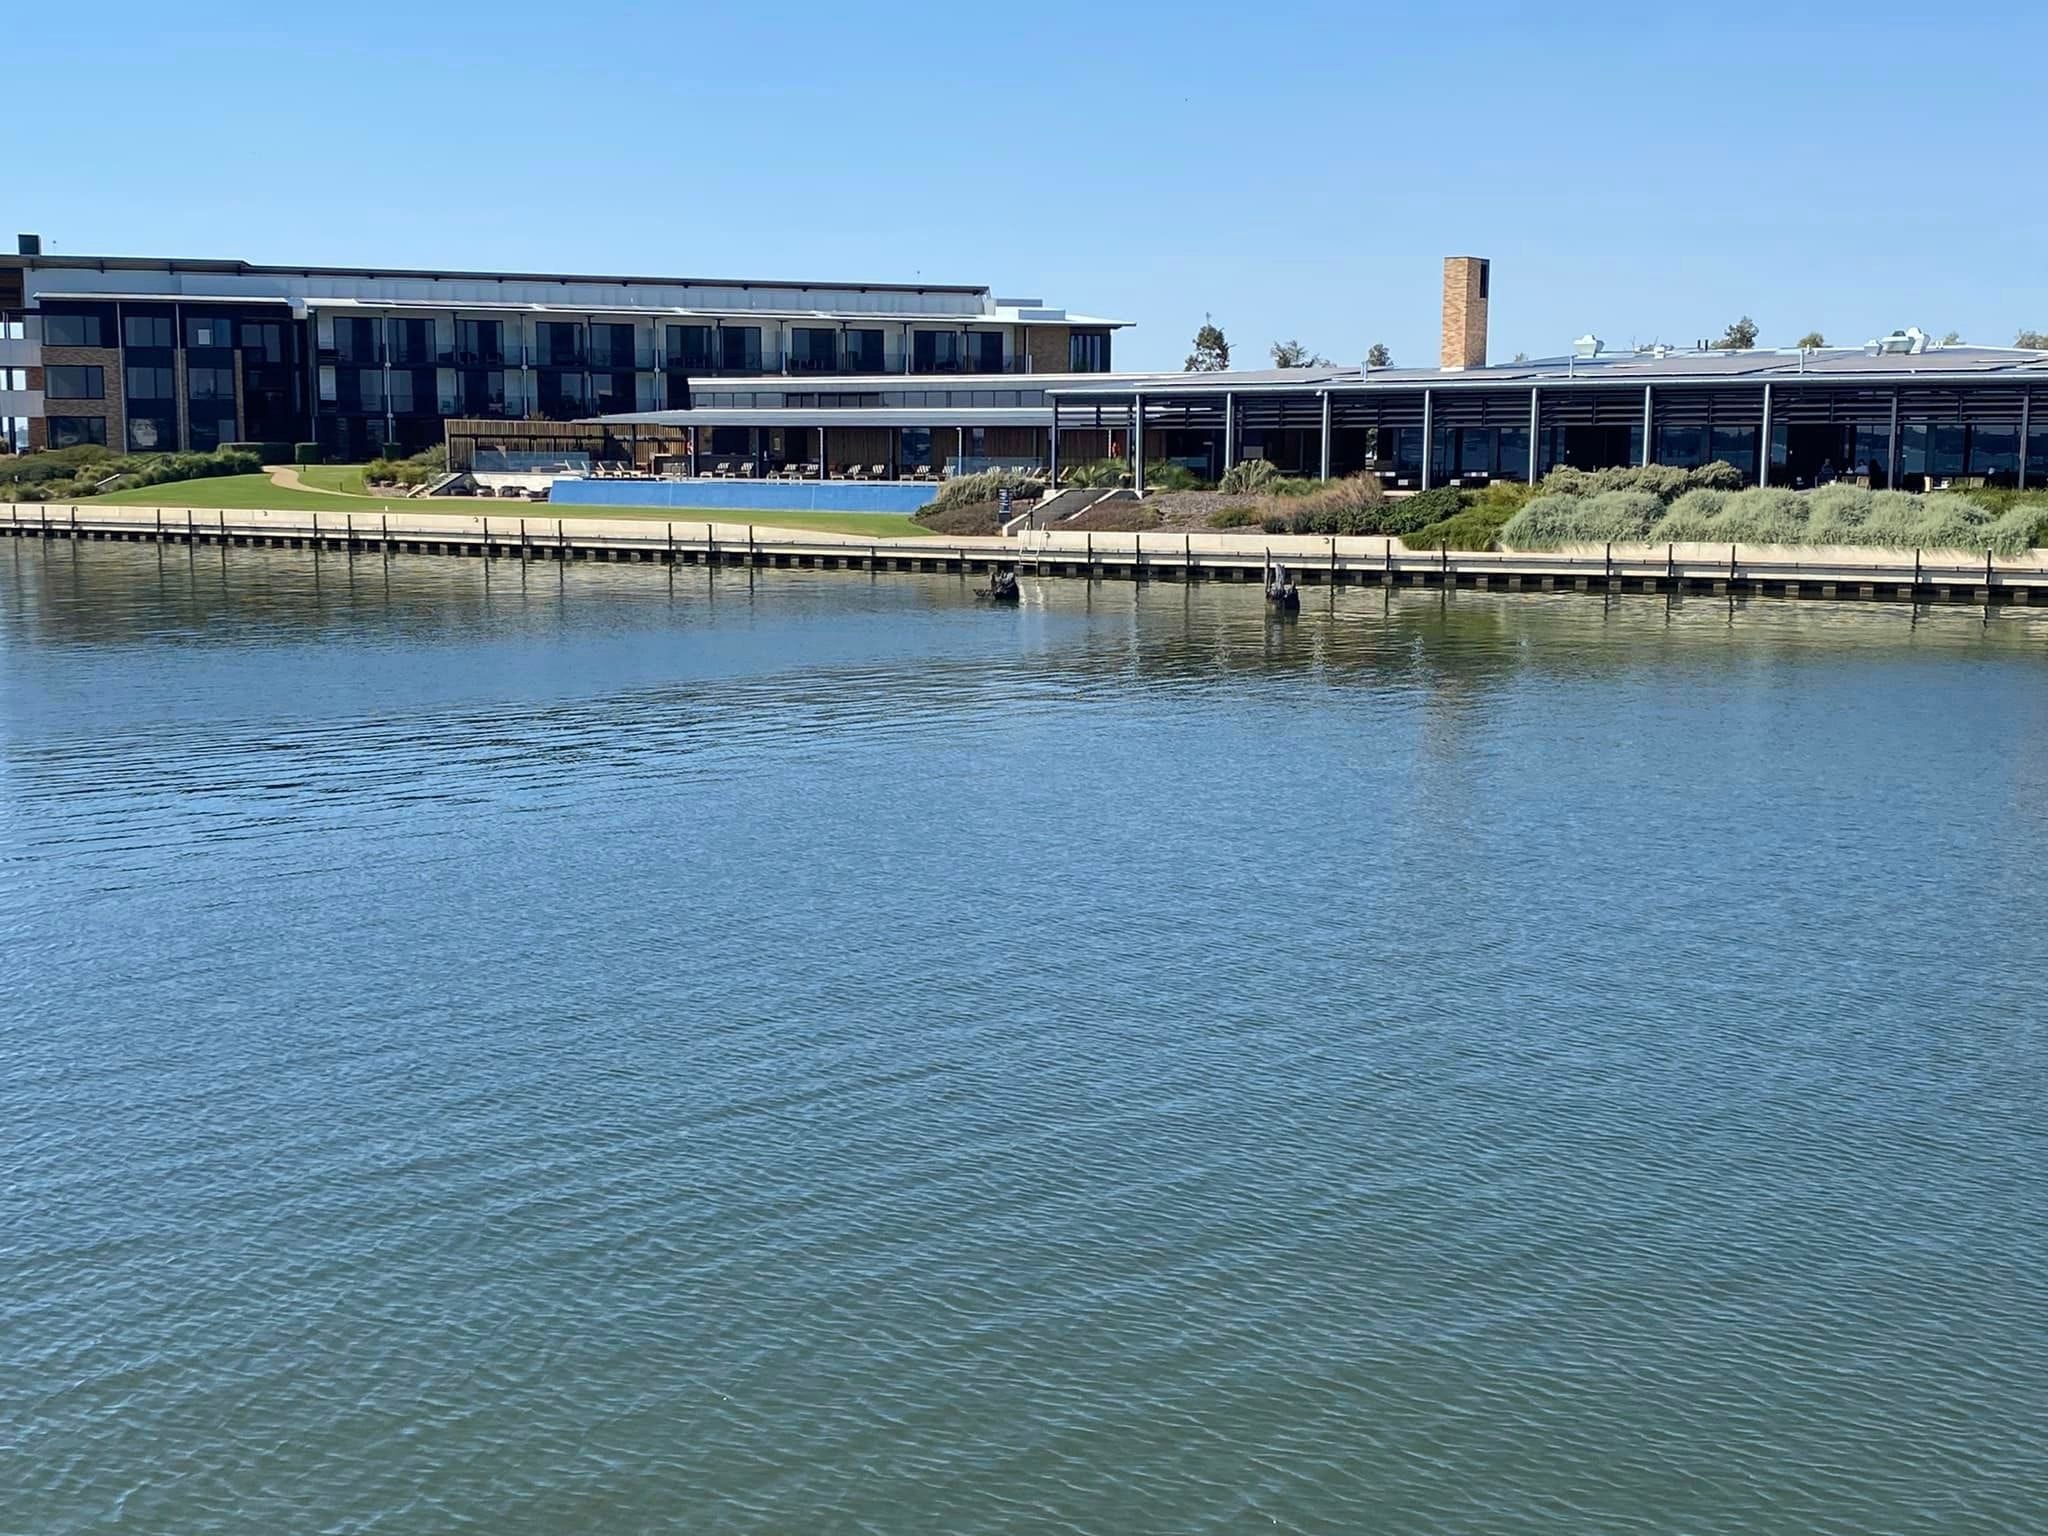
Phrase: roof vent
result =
(28, 245)
(1911, 340)
(1588, 345)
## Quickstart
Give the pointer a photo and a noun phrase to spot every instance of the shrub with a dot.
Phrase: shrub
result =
(1664, 481)
(1838, 514)
(1411, 514)
(1274, 524)
(1691, 519)
(1101, 475)
(985, 485)
(1720, 475)
(1762, 517)
(1477, 527)
(1169, 476)
(1551, 521)
(306, 453)
(268, 453)
(1248, 477)
(1292, 485)
(1509, 496)
(1234, 517)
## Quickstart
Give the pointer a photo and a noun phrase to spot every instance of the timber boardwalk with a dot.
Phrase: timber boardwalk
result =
(1312, 560)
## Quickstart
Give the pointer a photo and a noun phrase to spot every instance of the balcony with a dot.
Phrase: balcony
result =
(352, 357)
(617, 360)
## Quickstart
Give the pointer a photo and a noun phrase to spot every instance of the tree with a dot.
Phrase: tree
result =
(1739, 337)
(1377, 356)
(1811, 340)
(1292, 354)
(1952, 338)
(1519, 357)
(1212, 352)
(2038, 340)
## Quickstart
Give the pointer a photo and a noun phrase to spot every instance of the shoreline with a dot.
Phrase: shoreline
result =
(1312, 560)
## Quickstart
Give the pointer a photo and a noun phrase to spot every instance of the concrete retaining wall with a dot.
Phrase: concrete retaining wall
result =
(748, 495)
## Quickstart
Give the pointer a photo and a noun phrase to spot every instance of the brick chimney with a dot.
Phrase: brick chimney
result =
(1465, 294)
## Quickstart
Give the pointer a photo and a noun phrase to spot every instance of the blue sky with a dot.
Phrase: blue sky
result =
(1293, 169)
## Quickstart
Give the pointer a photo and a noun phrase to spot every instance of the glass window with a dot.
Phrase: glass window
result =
(1683, 447)
(1736, 446)
(72, 331)
(209, 432)
(1994, 450)
(355, 340)
(1088, 352)
(212, 331)
(150, 383)
(864, 352)
(1514, 452)
(152, 434)
(740, 348)
(70, 383)
(985, 352)
(915, 449)
(611, 346)
(689, 346)
(1947, 447)
(262, 341)
(935, 351)
(74, 431)
(13, 378)
(148, 331)
(813, 349)
(210, 383)
(559, 343)
(477, 342)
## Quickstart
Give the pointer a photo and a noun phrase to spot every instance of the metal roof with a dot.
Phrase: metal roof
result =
(1846, 365)
(245, 268)
(866, 416)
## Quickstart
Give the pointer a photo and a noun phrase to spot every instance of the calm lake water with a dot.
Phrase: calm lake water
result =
(599, 1050)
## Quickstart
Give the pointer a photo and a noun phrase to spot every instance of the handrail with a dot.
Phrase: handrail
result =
(1336, 553)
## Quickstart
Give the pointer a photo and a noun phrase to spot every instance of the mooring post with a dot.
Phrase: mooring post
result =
(1188, 553)
(159, 525)
(222, 523)
(348, 533)
(1670, 561)
(487, 539)
(316, 533)
(1987, 567)
(671, 538)
(1731, 562)
(561, 549)
(384, 533)
(1610, 563)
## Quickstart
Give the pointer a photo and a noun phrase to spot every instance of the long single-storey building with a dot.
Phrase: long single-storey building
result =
(1897, 412)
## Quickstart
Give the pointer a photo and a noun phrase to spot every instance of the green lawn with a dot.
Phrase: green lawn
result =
(235, 493)
(334, 477)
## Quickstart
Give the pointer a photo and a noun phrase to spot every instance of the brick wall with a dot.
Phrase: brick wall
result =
(1046, 346)
(1465, 304)
(108, 360)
